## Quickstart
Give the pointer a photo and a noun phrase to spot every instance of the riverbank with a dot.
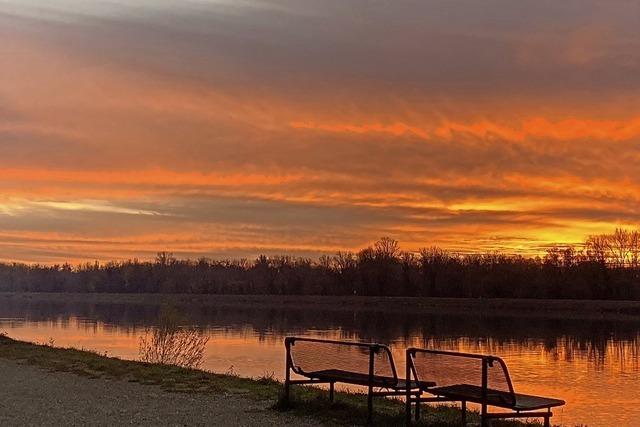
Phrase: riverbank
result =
(47, 385)
(561, 309)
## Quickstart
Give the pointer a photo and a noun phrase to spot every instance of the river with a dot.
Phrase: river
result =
(593, 364)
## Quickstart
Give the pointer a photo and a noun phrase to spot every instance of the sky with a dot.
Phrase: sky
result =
(230, 128)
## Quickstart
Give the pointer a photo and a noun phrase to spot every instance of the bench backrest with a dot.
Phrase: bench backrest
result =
(448, 368)
(309, 355)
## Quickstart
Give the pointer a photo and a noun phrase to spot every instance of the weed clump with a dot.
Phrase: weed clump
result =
(172, 344)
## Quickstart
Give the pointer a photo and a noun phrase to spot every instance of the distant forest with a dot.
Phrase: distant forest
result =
(604, 267)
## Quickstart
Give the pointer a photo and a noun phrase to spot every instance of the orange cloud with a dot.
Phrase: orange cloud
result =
(146, 177)
(395, 129)
(572, 129)
(103, 156)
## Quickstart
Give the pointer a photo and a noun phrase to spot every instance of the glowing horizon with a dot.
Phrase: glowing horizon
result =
(229, 129)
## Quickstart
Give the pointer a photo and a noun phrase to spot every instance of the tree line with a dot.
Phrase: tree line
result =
(605, 267)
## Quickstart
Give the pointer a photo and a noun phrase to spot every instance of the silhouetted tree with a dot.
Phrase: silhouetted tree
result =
(606, 267)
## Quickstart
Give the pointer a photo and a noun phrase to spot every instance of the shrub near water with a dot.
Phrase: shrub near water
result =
(171, 344)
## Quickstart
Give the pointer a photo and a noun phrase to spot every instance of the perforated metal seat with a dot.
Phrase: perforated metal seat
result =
(497, 398)
(365, 364)
(338, 375)
(476, 378)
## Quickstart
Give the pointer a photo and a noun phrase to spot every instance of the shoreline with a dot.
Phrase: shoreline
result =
(565, 309)
(309, 403)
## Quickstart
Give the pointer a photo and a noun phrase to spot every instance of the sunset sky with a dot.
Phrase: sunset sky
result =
(229, 128)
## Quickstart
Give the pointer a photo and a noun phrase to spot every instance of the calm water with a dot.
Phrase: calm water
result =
(592, 364)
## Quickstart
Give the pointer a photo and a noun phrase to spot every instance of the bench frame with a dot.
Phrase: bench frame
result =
(373, 389)
(485, 415)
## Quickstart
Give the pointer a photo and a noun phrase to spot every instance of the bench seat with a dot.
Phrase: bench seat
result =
(501, 399)
(338, 375)
(369, 365)
(473, 378)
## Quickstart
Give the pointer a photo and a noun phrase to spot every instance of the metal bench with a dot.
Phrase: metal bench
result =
(328, 362)
(463, 377)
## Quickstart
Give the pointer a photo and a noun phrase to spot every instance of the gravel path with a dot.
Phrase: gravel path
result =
(30, 396)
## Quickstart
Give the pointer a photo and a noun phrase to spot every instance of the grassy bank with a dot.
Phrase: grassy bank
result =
(349, 409)
(562, 309)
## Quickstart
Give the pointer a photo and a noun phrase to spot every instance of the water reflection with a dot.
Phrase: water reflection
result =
(593, 364)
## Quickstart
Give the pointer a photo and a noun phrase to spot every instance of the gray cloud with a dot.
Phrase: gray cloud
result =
(444, 48)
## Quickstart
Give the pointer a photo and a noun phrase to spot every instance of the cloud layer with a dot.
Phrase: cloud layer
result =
(230, 128)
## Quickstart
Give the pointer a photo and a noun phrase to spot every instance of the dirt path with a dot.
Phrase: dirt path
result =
(30, 396)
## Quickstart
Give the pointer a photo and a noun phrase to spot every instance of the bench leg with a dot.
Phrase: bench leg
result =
(331, 390)
(418, 408)
(484, 421)
(464, 413)
(287, 375)
(370, 406)
(547, 423)
(287, 387)
(408, 391)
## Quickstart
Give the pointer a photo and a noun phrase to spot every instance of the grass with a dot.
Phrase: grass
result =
(348, 408)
